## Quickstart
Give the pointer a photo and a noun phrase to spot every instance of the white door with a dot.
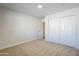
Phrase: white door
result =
(68, 30)
(77, 32)
(62, 30)
(54, 30)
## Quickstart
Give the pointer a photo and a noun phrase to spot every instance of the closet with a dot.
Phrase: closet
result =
(63, 28)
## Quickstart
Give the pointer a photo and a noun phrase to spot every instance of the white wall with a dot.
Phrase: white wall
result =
(63, 27)
(16, 28)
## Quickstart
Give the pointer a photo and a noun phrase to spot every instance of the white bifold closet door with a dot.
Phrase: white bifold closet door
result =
(61, 30)
(68, 30)
(54, 30)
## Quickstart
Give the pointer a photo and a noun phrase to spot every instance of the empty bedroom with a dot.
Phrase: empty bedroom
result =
(39, 29)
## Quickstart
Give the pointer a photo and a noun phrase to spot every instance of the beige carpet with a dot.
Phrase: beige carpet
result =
(39, 48)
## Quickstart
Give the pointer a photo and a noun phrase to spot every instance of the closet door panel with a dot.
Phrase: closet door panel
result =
(54, 30)
(68, 31)
(77, 32)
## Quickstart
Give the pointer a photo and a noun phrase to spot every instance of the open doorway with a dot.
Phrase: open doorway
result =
(43, 29)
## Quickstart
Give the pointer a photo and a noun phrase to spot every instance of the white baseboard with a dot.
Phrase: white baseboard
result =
(14, 44)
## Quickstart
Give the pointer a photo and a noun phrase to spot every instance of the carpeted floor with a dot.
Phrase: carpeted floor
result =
(40, 48)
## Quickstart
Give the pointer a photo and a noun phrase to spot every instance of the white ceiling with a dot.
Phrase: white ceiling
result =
(32, 9)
